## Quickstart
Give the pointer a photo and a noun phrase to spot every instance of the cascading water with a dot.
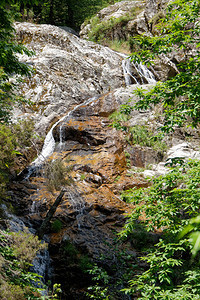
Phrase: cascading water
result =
(128, 77)
(49, 142)
(42, 266)
(144, 74)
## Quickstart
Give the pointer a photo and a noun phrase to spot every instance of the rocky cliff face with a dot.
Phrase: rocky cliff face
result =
(126, 19)
(76, 86)
(139, 17)
(67, 71)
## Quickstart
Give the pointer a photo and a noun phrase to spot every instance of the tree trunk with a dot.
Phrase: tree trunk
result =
(22, 11)
(70, 16)
(45, 223)
(51, 13)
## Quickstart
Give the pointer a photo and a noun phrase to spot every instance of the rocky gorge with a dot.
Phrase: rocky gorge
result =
(75, 87)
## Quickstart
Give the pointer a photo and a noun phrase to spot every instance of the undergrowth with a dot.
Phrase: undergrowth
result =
(141, 135)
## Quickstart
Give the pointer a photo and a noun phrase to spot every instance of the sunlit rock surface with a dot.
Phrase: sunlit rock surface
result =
(68, 70)
(132, 18)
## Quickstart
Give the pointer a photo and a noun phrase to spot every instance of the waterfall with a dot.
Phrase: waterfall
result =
(144, 74)
(134, 73)
(127, 66)
(61, 137)
(42, 266)
(49, 142)
(128, 77)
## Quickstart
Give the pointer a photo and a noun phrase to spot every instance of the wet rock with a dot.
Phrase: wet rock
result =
(68, 71)
(70, 133)
(95, 179)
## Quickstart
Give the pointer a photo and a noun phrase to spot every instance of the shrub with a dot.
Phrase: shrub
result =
(17, 251)
(55, 173)
(166, 207)
(139, 134)
(56, 226)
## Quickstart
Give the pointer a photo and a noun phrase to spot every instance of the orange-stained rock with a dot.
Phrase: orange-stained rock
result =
(93, 153)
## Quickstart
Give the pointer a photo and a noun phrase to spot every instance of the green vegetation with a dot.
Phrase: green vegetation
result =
(101, 279)
(102, 30)
(55, 173)
(13, 138)
(107, 33)
(164, 212)
(73, 256)
(108, 279)
(17, 251)
(70, 13)
(82, 177)
(165, 268)
(164, 225)
(56, 225)
(70, 250)
(166, 207)
(141, 135)
(118, 45)
(177, 32)
(9, 64)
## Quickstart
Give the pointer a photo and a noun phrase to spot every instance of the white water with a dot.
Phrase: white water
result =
(49, 142)
(145, 75)
(127, 65)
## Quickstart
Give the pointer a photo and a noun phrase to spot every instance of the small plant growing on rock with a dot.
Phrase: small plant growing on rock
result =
(83, 176)
(139, 134)
(143, 136)
(128, 161)
(55, 173)
(56, 226)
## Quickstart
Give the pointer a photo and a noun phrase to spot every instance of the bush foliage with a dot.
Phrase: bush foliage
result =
(17, 251)
(177, 33)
